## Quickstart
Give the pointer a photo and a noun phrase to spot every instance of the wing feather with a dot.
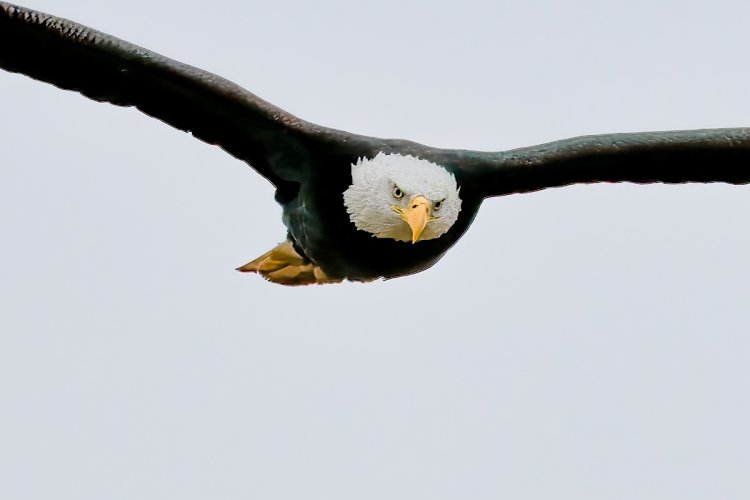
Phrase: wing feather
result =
(105, 68)
(717, 155)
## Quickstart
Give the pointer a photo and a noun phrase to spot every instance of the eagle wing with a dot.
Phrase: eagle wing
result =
(717, 155)
(105, 68)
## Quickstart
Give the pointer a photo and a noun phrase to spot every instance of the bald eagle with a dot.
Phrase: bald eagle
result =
(355, 207)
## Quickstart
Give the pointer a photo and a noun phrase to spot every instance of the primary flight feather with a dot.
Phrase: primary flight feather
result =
(356, 207)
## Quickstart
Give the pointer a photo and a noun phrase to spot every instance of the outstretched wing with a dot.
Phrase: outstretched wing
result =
(719, 155)
(105, 68)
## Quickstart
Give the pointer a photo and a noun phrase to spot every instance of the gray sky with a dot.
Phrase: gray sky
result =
(588, 342)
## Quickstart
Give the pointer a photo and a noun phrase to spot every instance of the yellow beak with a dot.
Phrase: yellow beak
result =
(417, 215)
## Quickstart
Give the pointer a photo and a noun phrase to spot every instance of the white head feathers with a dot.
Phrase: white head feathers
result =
(383, 185)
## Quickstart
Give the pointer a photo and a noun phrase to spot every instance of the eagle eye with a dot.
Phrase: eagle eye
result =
(397, 193)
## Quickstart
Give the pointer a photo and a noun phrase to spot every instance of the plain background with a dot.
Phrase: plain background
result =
(589, 342)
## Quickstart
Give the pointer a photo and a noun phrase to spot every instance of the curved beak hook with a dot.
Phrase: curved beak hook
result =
(417, 215)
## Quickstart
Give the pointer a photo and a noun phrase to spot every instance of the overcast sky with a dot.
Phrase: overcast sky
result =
(588, 342)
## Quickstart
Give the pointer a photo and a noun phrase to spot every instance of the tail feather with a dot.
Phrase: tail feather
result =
(285, 266)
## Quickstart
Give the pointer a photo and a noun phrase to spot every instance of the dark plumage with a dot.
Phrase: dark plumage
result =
(310, 166)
